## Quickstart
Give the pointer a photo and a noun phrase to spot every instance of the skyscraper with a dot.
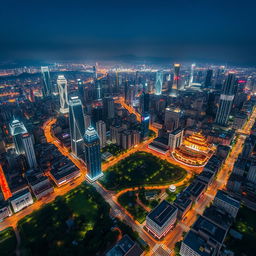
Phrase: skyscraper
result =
(98, 84)
(144, 102)
(159, 83)
(47, 86)
(76, 126)
(63, 92)
(172, 118)
(191, 75)
(17, 129)
(226, 100)
(80, 89)
(144, 125)
(176, 77)
(87, 121)
(109, 109)
(29, 150)
(92, 154)
(208, 79)
(126, 91)
(101, 130)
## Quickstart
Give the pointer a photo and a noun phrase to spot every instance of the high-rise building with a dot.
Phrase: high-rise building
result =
(172, 118)
(76, 126)
(191, 78)
(159, 83)
(126, 91)
(144, 102)
(80, 89)
(101, 130)
(144, 125)
(29, 150)
(92, 154)
(47, 87)
(176, 77)
(63, 92)
(226, 100)
(208, 79)
(87, 121)
(17, 129)
(98, 84)
(109, 107)
(175, 139)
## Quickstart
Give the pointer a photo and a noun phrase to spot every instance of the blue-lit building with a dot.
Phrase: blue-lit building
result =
(226, 100)
(145, 125)
(17, 129)
(159, 83)
(76, 126)
(47, 84)
(92, 154)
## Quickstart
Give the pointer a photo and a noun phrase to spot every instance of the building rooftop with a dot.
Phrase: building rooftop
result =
(208, 228)
(20, 194)
(125, 247)
(198, 244)
(195, 188)
(228, 199)
(162, 213)
(176, 131)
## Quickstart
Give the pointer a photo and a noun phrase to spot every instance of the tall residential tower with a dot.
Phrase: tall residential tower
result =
(63, 91)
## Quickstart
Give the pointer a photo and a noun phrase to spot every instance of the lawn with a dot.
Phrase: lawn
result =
(113, 149)
(75, 224)
(7, 242)
(246, 225)
(128, 201)
(141, 169)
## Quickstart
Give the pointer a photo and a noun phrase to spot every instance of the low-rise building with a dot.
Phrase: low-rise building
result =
(227, 203)
(5, 210)
(21, 200)
(160, 144)
(196, 189)
(125, 247)
(183, 203)
(195, 245)
(161, 219)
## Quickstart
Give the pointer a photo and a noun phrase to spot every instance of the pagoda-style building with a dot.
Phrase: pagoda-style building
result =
(194, 151)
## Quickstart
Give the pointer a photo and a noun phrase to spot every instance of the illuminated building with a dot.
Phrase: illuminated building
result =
(144, 125)
(80, 90)
(159, 83)
(21, 200)
(63, 92)
(47, 87)
(194, 150)
(101, 130)
(98, 84)
(226, 100)
(161, 219)
(175, 138)
(29, 150)
(5, 210)
(176, 79)
(92, 154)
(17, 128)
(191, 75)
(172, 118)
(76, 126)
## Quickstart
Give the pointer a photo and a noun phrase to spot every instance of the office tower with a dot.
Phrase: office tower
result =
(176, 77)
(144, 102)
(191, 75)
(208, 79)
(175, 138)
(144, 125)
(63, 92)
(81, 90)
(76, 126)
(29, 150)
(95, 76)
(47, 87)
(126, 91)
(101, 130)
(17, 129)
(172, 118)
(226, 100)
(109, 107)
(159, 83)
(97, 115)
(92, 154)
(87, 121)
(98, 84)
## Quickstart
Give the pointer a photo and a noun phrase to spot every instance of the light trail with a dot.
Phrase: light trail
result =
(4, 185)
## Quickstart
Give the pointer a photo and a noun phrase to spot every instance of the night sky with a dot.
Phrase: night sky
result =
(181, 30)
